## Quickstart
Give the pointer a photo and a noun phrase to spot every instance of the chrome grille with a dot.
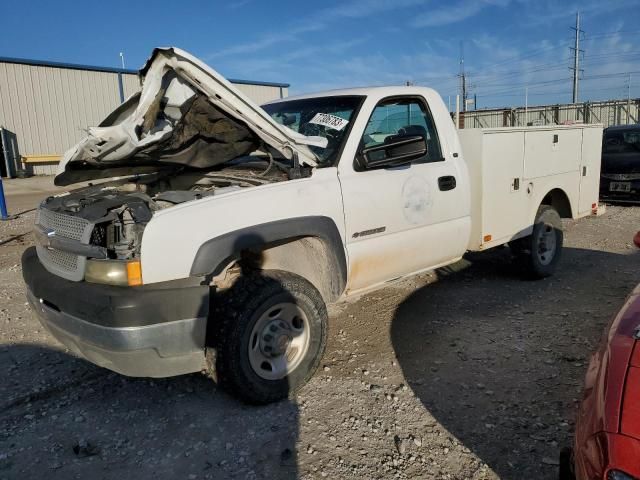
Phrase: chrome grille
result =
(64, 264)
(64, 225)
(64, 260)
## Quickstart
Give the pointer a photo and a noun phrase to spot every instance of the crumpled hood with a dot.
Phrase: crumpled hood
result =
(185, 115)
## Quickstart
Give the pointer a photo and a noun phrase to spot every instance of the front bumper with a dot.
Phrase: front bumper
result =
(604, 452)
(155, 330)
(632, 195)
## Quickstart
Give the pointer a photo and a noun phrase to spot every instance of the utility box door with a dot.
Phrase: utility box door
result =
(495, 159)
(552, 152)
(590, 170)
(10, 158)
(505, 199)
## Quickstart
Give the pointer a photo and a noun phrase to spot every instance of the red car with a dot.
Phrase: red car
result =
(607, 439)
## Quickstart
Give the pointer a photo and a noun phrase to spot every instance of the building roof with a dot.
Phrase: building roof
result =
(93, 68)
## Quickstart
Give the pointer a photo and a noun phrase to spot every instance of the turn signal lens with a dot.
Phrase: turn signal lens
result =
(134, 273)
(114, 272)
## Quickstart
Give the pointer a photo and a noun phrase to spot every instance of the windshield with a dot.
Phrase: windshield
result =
(622, 141)
(328, 117)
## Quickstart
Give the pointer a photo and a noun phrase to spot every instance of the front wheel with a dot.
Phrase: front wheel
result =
(540, 252)
(271, 335)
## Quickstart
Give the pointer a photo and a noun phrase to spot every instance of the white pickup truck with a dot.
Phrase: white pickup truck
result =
(230, 226)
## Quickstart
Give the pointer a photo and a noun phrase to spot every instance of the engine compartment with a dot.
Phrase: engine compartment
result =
(120, 209)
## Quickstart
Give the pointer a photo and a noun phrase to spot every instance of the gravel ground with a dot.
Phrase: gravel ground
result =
(465, 373)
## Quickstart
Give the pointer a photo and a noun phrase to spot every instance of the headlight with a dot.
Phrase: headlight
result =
(618, 475)
(114, 272)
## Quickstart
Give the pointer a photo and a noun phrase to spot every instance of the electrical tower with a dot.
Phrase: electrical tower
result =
(576, 58)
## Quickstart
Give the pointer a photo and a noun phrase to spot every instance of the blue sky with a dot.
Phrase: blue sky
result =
(508, 44)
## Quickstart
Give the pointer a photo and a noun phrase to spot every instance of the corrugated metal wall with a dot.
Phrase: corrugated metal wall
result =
(49, 107)
(263, 93)
(612, 112)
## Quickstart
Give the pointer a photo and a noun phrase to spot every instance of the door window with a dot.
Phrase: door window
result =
(406, 117)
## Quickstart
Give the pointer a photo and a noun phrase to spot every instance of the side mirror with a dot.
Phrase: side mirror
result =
(399, 151)
(636, 239)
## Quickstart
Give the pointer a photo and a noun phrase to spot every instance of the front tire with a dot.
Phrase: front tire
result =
(271, 335)
(540, 252)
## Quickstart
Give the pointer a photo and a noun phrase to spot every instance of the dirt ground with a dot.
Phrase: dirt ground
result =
(465, 373)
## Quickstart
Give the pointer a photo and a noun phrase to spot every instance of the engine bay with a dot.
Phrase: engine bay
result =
(120, 209)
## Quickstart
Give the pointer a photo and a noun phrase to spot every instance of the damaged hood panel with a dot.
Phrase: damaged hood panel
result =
(185, 115)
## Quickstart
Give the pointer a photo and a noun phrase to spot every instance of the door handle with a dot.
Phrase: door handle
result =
(447, 183)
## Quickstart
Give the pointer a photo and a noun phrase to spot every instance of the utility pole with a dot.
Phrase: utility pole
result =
(526, 105)
(120, 84)
(576, 58)
(629, 100)
(463, 78)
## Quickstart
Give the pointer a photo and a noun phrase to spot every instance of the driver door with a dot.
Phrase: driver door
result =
(404, 219)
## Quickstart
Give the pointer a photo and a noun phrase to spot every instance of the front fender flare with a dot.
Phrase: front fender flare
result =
(215, 254)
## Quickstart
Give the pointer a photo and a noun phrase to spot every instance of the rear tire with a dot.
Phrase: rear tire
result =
(540, 252)
(270, 335)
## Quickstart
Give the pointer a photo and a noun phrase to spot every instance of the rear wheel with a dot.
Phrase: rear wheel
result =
(271, 335)
(540, 252)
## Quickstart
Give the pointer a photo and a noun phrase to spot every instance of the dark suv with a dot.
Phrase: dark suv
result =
(620, 174)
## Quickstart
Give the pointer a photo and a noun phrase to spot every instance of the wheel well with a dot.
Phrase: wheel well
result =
(558, 199)
(309, 257)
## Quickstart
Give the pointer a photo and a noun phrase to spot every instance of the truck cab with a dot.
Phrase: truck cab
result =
(229, 227)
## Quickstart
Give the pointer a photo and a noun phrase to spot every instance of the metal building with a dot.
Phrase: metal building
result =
(45, 107)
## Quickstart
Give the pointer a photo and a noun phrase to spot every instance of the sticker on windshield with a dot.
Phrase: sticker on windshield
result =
(330, 121)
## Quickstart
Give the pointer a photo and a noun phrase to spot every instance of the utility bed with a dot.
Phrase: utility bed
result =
(512, 169)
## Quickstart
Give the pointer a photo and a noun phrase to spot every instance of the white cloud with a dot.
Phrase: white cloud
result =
(265, 41)
(547, 12)
(319, 21)
(238, 4)
(448, 14)
(500, 62)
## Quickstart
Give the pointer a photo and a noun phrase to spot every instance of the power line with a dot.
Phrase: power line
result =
(494, 81)
(558, 92)
(610, 75)
(612, 55)
(485, 78)
(522, 56)
(531, 84)
(612, 34)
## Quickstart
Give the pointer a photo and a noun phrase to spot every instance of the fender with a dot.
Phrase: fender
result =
(217, 253)
(557, 198)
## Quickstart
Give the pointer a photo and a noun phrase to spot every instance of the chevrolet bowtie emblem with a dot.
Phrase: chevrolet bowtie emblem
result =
(44, 236)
